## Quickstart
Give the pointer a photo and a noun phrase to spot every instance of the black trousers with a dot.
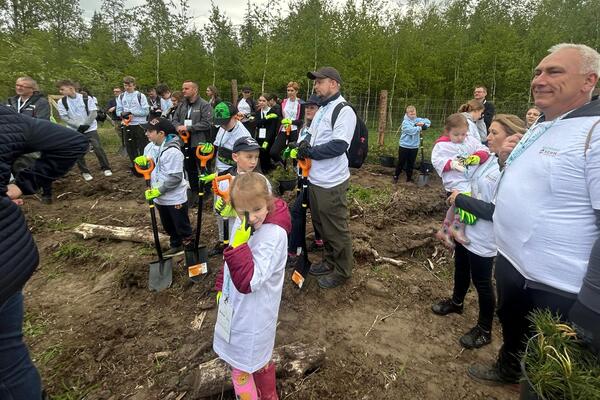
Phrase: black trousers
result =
(296, 238)
(280, 144)
(176, 222)
(406, 162)
(135, 141)
(515, 301)
(471, 267)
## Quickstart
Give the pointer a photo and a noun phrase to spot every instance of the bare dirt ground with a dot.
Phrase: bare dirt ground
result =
(95, 330)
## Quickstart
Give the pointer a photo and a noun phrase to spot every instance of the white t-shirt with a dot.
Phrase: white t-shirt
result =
(331, 171)
(167, 161)
(255, 314)
(483, 187)
(291, 111)
(226, 139)
(244, 107)
(445, 150)
(76, 112)
(544, 221)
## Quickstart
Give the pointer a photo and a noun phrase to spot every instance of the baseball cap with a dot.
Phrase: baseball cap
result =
(313, 99)
(325, 72)
(223, 112)
(245, 143)
(160, 124)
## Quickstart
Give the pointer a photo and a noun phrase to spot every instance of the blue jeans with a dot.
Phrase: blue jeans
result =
(19, 379)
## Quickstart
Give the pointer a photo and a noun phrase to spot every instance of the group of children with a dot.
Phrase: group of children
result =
(255, 257)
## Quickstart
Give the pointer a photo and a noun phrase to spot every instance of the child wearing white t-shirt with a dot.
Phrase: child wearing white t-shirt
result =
(455, 157)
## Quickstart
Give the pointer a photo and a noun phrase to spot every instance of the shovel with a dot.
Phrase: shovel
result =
(160, 276)
(197, 258)
(424, 169)
(224, 194)
(302, 268)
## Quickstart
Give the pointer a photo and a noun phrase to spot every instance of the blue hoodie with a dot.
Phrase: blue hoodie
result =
(410, 137)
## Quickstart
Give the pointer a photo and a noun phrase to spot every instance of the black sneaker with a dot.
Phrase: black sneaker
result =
(395, 179)
(475, 338)
(320, 268)
(174, 251)
(446, 306)
(490, 375)
(331, 281)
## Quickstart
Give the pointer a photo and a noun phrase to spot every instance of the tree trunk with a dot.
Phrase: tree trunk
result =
(234, 92)
(383, 95)
(292, 360)
(123, 233)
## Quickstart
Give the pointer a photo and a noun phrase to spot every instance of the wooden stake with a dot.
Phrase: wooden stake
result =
(234, 92)
(383, 95)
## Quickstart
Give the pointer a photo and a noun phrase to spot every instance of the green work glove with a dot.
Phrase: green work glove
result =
(224, 209)
(207, 178)
(285, 154)
(219, 294)
(242, 234)
(472, 160)
(286, 121)
(271, 116)
(265, 145)
(142, 161)
(466, 217)
(152, 193)
(294, 153)
(207, 148)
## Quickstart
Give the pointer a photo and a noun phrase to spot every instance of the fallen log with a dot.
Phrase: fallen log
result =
(123, 233)
(291, 360)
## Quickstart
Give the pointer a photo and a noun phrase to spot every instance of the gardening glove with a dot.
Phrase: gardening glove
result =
(285, 154)
(472, 160)
(457, 166)
(265, 145)
(271, 116)
(152, 193)
(207, 178)
(207, 148)
(125, 115)
(294, 154)
(424, 127)
(242, 234)
(303, 150)
(142, 161)
(219, 294)
(286, 121)
(224, 209)
(83, 128)
(466, 217)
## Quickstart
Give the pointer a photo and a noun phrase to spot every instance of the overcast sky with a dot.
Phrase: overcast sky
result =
(200, 9)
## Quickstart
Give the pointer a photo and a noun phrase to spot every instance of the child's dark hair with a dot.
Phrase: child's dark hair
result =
(456, 120)
(471, 105)
(250, 186)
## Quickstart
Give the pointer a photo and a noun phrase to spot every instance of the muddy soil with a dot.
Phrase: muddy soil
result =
(96, 332)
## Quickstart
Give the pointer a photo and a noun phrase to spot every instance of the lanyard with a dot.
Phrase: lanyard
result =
(19, 106)
(189, 111)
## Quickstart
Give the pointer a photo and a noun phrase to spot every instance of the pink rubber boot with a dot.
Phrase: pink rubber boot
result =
(444, 234)
(458, 231)
(265, 382)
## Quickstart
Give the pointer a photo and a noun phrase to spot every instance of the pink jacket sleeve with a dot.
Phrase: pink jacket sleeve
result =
(241, 266)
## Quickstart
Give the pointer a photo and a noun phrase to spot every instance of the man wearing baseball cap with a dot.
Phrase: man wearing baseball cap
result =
(329, 177)
(168, 184)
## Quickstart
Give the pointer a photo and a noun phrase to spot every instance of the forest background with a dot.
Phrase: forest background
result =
(429, 53)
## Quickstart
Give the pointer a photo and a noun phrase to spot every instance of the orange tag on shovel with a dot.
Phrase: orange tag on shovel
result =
(197, 269)
(298, 279)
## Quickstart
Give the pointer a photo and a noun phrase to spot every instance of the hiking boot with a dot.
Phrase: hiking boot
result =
(320, 268)
(490, 375)
(475, 338)
(218, 249)
(87, 177)
(174, 251)
(107, 172)
(331, 281)
(46, 199)
(446, 306)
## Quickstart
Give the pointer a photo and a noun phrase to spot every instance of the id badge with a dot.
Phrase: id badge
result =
(262, 133)
(224, 318)
(188, 122)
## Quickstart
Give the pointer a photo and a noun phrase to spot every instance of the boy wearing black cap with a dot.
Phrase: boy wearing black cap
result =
(168, 184)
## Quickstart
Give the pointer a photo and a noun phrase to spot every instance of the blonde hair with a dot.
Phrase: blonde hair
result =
(250, 186)
(511, 123)
(471, 105)
(294, 85)
(456, 120)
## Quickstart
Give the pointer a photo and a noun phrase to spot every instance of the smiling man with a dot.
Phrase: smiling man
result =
(547, 216)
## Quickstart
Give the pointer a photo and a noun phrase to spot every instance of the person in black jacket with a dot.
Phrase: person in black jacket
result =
(267, 122)
(60, 147)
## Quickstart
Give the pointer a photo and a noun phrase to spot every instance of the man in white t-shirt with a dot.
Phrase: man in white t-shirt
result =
(547, 216)
(79, 113)
(329, 177)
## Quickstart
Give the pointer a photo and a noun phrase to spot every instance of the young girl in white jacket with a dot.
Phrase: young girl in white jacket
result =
(455, 156)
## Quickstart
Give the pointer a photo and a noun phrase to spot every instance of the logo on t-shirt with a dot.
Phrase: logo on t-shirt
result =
(549, 151)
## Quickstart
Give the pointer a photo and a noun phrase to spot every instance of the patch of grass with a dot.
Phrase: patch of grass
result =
(73, 251)
(367, 196)
(33, 325)
(75, 391)
(50, 354)
(111, 142)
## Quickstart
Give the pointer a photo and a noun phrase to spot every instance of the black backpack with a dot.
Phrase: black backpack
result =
(359, 147)
(85, 103)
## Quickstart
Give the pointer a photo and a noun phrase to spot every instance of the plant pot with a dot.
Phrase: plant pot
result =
(387, 161)
(526, 391)
(287, 184)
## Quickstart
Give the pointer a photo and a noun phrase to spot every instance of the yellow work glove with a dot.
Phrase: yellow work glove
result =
(242, 234)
